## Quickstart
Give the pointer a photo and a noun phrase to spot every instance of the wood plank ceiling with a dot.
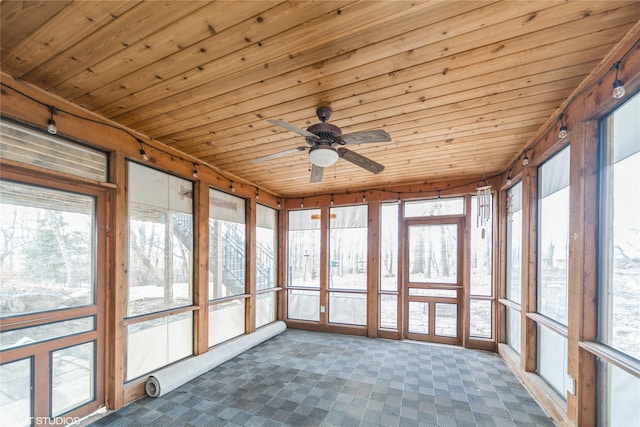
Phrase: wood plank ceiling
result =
(461, 86)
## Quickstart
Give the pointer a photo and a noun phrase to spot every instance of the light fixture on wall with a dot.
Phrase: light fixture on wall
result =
(195, 171)
(563, 129)
(525, 160)
(331, 200)
(231, 187)
(257, 194)
(618, 88)
(323, 156)
(302, 203)
(364, 198)
(279, 205)
(52, 128)
(143, 153)
(509, 177)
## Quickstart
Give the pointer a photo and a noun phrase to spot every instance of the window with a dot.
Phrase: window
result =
(227, 266)
(266, 265)
(481, 304)
(348, 265)
(514, 243)
(619, 281)
(303, 265)
(619, 262)
(553, 236)
(160, 269)
(434, 207)
(553, 255)
(513, 266)
(389, 266)
(39, 149)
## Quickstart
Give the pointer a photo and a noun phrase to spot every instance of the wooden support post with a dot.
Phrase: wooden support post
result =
(373, 268)
(201, 270)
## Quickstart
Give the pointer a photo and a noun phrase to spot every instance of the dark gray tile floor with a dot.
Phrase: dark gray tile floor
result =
(302, 378)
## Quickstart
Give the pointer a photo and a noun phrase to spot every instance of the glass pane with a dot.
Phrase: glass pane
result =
(304, 248)
(389, 247)
(226, 321)
(481, 247)
(40, 149)
(419, 317)
(618, 397)
(35, 334)
(158, 342)
(348, 308)
(480, 318)
(553, 237)
(552, 359)
(47, 240)
(160, 241)
(513, 329)
(514, 242)
(447, 320)
(619, 288)
(434, 207)
(266, 244)
(227, 245)
(434, 293)
(348, 248)
(72, 377)
(266, 308)
(16, 398)
(389, 311)
(303, 305)
(433, 253)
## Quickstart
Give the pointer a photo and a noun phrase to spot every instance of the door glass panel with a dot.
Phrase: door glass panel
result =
(389, 311)
(434, 293)
(433, 253)
(35, 334)
(480, 318)
(348, 308)
(419, 317)
(16, 398)
(72, 377)
(447, 320)
(48, 246)
(552, 359)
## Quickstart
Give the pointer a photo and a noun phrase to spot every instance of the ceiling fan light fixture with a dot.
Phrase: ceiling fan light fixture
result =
(323, 156)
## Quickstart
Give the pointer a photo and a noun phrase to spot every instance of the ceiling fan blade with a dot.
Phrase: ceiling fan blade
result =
(293, 128)
(377, 135)
(316, 174)
(360, 160)
(280, 154)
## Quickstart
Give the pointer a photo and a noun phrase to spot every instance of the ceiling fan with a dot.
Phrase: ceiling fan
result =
(325, 143)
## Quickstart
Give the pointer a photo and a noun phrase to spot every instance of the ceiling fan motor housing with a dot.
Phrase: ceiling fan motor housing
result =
(328, 133)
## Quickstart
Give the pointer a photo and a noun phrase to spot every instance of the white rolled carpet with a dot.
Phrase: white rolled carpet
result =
(173, 376)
